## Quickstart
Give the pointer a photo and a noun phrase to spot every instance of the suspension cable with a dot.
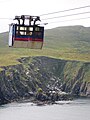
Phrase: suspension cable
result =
(66, 10)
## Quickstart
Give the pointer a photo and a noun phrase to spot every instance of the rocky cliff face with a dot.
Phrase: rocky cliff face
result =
(19, 81)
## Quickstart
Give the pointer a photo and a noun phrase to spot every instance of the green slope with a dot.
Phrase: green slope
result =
(72, 43)
(76, 37)
(3, 39)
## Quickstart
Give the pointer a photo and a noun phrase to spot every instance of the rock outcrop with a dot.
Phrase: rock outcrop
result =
(21, 81)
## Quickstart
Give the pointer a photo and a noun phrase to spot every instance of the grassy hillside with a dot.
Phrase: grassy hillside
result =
(74, 37)
(3, 39)
(72, 43)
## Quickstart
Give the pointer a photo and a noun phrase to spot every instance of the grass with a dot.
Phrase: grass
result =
(9, 56)
(69, 43)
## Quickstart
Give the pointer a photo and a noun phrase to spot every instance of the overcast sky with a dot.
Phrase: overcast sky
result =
(10, 8)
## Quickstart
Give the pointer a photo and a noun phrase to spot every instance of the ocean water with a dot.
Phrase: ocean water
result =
(65, 110)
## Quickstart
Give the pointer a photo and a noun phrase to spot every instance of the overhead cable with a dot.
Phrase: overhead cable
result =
(65, 10)
(68, 20)
(58, 16)
(66, 15)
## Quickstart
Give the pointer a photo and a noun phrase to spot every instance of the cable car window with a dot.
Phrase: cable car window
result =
(30, 28)
(37, 29)
(17, 28)
(21, 28)
(25, 33)
(22, 33)
(29, 33)
(25, 28)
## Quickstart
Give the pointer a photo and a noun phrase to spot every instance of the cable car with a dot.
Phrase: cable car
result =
(23, 35)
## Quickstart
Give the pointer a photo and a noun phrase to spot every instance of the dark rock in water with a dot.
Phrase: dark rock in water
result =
(51, 97)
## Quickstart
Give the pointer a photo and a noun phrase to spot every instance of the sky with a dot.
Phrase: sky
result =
(10, 8)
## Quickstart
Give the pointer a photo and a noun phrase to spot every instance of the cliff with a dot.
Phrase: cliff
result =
(20, 81)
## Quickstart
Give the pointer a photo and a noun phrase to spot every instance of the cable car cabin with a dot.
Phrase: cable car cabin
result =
(26, 36)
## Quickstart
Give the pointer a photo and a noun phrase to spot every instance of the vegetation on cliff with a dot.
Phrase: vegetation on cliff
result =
(48, 74)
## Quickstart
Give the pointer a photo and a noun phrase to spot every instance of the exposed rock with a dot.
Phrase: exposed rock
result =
(22, 81)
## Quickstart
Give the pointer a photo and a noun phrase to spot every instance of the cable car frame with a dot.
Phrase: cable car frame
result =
(23, 35)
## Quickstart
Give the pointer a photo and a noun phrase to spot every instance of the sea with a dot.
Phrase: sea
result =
(78, 109)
